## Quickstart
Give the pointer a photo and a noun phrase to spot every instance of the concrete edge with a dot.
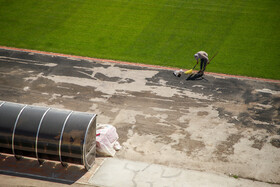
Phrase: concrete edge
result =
(134, 64)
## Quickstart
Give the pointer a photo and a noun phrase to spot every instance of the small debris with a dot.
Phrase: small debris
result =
(275, 142)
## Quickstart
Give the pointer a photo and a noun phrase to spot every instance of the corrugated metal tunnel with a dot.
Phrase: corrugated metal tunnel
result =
(47, 134)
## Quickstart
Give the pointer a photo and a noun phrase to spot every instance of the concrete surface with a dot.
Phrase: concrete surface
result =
(219, 124)
(116, 172)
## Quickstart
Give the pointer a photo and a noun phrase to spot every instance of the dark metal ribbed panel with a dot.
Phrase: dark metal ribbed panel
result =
(73, 137)
(8, 116)
(26, 130)
(47, 133)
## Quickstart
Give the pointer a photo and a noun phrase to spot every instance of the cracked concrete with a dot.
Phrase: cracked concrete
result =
(117, 172)
(219, 124)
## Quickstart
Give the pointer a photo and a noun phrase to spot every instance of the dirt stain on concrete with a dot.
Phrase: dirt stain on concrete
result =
(226, 147)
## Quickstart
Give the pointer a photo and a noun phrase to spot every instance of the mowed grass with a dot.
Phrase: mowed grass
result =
(160, 32)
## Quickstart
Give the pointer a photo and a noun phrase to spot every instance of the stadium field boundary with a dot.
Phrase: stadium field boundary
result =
(132, 63)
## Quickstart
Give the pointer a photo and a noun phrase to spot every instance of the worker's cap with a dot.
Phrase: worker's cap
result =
(195, 56)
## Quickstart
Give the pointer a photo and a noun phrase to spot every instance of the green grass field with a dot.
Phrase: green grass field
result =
(161, 32)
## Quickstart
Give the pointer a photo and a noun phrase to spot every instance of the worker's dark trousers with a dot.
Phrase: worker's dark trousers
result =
(203, 63)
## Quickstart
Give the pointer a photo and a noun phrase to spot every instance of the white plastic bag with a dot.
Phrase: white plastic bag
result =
(106, 140)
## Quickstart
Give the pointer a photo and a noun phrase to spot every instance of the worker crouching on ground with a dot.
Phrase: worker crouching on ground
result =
(203, 56)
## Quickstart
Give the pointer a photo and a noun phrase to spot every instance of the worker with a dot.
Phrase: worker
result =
(203, 56)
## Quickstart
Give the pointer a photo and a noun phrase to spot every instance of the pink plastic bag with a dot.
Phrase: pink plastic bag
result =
(106, 140)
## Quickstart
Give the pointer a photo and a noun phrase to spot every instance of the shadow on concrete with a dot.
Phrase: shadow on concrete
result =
(48, 171)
